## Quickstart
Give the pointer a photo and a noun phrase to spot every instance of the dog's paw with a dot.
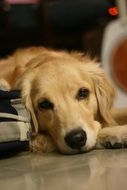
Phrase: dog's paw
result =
(42, 143)
(111, 143)
(112, 137)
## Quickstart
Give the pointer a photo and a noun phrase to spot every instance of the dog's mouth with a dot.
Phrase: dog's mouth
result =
(75, 151)
(75, 142)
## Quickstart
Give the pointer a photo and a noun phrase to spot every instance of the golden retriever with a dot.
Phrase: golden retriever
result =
(69, 98)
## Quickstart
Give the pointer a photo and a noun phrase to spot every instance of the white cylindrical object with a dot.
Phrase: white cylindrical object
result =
(114, 35)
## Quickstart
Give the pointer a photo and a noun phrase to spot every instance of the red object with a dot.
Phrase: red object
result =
(113, 11)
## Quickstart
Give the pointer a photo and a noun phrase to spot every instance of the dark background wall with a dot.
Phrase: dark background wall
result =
(64, 24)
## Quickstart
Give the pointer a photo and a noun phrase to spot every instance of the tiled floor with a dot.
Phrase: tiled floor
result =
(96, 170)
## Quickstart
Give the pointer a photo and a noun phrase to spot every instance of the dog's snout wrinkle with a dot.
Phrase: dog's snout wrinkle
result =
(76, 139)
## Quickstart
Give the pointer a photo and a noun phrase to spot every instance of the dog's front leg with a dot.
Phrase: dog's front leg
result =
(112, 137)
(42, 143)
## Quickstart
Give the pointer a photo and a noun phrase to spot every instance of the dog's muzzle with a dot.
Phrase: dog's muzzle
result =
(76, 139)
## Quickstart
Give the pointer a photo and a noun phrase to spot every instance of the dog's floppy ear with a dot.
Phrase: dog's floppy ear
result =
(25, 87)
(105, 93)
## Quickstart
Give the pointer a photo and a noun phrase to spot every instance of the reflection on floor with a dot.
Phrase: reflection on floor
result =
(97, 170)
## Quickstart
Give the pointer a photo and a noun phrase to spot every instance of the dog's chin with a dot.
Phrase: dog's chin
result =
(75, 151)
(63, 148)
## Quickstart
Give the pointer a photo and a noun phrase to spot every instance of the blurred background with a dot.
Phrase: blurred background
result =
(60, 24)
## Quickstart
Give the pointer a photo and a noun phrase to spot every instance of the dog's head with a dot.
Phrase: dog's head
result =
(69, 98)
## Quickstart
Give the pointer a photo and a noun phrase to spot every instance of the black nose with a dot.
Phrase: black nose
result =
(76, 139)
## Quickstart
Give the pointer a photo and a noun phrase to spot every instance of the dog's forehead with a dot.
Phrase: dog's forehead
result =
(60, 78)
(61, 73)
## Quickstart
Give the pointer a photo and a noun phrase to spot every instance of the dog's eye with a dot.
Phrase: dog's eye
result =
(82, 93)
(46, 105)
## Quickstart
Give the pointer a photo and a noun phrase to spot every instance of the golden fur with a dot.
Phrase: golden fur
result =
(57, 76)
